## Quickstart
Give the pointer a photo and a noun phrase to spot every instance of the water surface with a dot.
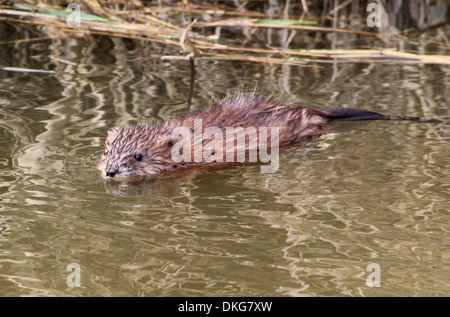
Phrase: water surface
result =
(369, 193)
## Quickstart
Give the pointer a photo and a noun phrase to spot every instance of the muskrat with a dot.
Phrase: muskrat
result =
(169, 148)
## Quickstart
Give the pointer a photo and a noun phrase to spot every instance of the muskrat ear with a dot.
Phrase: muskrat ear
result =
(112, 133)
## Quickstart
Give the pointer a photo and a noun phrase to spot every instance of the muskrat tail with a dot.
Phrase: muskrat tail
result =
(351, 114)
(417, 119)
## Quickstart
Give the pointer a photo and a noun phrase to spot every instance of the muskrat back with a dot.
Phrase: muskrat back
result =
(238, 129)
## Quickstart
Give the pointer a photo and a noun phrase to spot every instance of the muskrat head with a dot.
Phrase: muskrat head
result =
(134, 153)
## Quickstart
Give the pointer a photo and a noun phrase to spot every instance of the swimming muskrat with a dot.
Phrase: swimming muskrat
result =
(200, 140)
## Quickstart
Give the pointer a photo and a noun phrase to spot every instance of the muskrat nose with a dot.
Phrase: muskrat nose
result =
(110, 173)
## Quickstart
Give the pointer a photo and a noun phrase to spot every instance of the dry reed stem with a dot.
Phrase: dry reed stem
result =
(164, 32)
(252, 23)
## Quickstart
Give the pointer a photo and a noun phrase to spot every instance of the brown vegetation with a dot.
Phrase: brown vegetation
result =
(272, 31)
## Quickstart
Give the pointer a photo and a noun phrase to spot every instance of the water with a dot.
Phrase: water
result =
(365, 193)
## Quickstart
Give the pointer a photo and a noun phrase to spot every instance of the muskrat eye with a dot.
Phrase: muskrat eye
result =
(138, 157)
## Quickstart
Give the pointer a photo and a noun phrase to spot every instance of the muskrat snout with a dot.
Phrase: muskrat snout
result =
(110, 173)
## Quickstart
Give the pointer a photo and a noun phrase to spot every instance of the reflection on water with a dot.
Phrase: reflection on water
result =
(376, 193)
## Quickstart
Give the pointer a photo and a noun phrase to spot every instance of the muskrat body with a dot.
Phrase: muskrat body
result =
(201, 140)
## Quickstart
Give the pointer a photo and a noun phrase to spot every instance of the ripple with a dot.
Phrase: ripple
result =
(375, 193)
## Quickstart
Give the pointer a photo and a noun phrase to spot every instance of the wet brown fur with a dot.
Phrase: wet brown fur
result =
(297, 125)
